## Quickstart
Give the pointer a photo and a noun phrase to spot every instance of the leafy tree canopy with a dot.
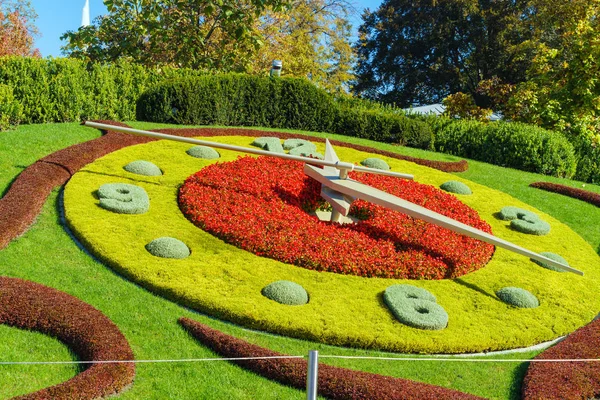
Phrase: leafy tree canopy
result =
(215, 34)
(420, 51)
(17, 28)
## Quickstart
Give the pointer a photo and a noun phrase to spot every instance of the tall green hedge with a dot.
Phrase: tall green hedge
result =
(243, 100)
(62, 89)
(508, 144)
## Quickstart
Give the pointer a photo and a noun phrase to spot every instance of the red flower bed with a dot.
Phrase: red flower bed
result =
(260, 205)
(333, 382)
(585, 195)
(567, 380)
(88, 332)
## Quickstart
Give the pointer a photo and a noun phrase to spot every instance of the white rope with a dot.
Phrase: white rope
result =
(191, 360)
(185, 360)
(461, 359)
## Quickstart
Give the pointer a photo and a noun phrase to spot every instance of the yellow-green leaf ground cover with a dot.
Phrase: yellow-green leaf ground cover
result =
(226, 282)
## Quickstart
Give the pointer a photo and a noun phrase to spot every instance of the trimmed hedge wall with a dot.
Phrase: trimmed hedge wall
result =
(292, 103)
(64, 89)
(508, 144)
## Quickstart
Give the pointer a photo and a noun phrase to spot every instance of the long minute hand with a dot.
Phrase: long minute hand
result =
(361, 191)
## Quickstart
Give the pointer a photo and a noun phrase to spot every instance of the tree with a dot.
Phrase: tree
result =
(312, 39)
(185, 33)
(17, 29)
(420, 51)
(563, 87)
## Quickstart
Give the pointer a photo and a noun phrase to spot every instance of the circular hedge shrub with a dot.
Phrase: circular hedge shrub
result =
(415, 307)
(456, 187)
(203, 152)
(376, 163)
(142, 167)
(518, 297)
(290, 144)
(286, 292)
(168, 247)
(554, 257)
(524, 221)
(123, 198)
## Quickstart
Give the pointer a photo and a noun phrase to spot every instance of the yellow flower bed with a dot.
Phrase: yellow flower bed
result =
(226, 282)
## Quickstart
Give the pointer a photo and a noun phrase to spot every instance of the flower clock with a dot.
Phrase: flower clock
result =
(236, 237)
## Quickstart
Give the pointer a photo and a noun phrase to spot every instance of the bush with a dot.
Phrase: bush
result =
(286, 292)
(203, 152)
(123, 198)
(456, 187)
(507, 144)
(518, 297)
(524, 221)
(376, 163)
(64, 89)
(168, 247)
(142, 167)
(416, 307)
(292, 103)
(11, 110)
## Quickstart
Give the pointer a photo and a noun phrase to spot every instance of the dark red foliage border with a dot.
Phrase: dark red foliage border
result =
(84, 329)
(585, 195)
(334, 382)
(567, 380)
(28, 193)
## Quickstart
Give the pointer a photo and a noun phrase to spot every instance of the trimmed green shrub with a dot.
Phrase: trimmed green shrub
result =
(588, 160)
(415, 307)
(290, 144)
(203, 152)
(168, 247)
(554, 257)
(524, 221)
(142, 167)
(66, 89)
(518, 297)
(456, 187)
(508, 144)
(286, 292)
(11, 110)
(243, 100)
(123, 198)
(269, 144)
(376, 163)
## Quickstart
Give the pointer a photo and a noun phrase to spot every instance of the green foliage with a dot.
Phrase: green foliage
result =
(524, 221)
(376, 163)
(419, 52)
(203, 152)
(290, 144)
(416, 307)
(551, 256)
(168, 247)
(11, 110)
(269, 144)
(242, 100)
(142, 167)
(123, 198)
(456, 187)
(212, 35)
(518, 297)
(60, 90)
(513, 145)
(286, 292)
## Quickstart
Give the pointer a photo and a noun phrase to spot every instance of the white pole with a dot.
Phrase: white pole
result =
(85, 15)
(336, 164)
(312, 375)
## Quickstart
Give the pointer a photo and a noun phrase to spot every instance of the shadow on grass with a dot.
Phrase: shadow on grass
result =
(9, 184)
(474, 287)
(518, 376)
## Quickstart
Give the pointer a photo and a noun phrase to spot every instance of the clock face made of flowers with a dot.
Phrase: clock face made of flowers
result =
(349, 308)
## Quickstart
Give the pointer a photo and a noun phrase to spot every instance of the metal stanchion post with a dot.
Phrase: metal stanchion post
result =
(311, 376)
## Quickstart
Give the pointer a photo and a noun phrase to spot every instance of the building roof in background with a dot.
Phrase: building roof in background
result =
(438, 109)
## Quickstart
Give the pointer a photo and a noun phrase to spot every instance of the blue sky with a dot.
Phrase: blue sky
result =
(57, 17)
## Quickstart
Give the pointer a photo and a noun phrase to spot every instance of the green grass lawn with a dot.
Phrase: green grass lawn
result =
(46, 254)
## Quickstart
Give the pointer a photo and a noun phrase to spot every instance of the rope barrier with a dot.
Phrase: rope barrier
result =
(191, 360)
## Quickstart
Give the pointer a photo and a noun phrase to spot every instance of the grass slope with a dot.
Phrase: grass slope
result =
(47, 255)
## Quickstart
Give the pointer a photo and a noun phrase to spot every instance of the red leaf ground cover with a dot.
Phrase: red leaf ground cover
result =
(333, 382)
(585, 195)
(85, 330)
(27, 194)
(260, 205)
(567, 380)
